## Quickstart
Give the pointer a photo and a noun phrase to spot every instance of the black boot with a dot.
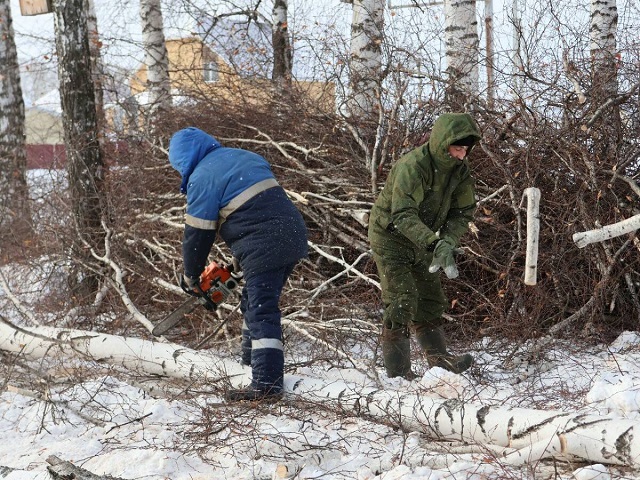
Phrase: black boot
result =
(252, 394)
(396, 353)
(434, 345)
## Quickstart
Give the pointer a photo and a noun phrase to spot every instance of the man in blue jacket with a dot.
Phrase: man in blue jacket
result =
(233, 193)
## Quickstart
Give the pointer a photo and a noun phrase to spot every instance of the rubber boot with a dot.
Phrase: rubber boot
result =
(396, 353)
(434, 345)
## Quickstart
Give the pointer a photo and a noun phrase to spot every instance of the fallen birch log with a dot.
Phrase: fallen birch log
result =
(527, 435)
(582, 239)
(63, 470)
(5, 471)
(152, 358)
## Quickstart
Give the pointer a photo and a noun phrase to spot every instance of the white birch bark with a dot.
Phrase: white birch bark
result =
(135, 354)
(516, 51)
(461, 49)
(526, 435)
(62, 470)
(14, 206)
(367, 26)
(533, 232)
(582, 239)
(156, 57)
(604, 23)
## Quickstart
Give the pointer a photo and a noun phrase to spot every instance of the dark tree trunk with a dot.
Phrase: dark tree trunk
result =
(85, 165)
(96, 65)
(15, 217)
(282, 55)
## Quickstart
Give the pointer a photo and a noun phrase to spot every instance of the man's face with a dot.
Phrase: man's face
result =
(458, 151)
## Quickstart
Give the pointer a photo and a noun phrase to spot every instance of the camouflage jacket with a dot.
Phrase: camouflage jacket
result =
(428, 191)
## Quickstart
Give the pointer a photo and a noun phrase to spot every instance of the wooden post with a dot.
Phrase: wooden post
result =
(533, 232)
(35, 7)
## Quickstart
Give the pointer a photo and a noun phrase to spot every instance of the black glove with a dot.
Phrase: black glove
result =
(190, 285)
(443, 258)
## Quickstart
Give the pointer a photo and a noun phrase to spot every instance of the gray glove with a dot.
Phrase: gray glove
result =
(190, 285)
(443, 258)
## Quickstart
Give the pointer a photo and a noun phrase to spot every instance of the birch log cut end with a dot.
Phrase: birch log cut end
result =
(580, 239)
(281, 472)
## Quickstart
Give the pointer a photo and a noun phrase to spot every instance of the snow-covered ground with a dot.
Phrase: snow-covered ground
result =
(143, 428)
(113, 422)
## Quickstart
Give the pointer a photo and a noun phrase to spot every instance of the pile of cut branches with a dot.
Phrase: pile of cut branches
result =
(334, 294)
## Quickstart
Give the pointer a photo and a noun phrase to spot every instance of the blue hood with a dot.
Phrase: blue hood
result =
(187, 148)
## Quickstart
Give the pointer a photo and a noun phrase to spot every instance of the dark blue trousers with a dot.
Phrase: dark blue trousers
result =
(262, 346)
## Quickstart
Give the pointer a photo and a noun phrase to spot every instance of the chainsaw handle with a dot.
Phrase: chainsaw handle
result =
(234, 270)
(204, 299)
(187, 289)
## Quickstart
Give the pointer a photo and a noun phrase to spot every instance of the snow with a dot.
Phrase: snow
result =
(111, 425)
(113, 422)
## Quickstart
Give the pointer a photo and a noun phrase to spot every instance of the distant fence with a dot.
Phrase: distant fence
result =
(54, 156)
(46, 156)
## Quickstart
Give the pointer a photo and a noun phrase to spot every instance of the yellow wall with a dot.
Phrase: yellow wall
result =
(42, 127)
(186, 74)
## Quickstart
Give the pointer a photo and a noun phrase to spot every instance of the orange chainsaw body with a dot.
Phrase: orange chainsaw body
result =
(217, 282)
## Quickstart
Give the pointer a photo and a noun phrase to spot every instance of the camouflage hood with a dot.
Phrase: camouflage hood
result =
(447, 129)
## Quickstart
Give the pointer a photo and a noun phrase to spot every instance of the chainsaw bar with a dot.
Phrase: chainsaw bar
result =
(176, 316)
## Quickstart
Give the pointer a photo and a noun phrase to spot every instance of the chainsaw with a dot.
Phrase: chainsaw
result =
(216, 285)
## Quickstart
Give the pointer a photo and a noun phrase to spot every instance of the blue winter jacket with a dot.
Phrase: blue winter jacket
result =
(233, 192)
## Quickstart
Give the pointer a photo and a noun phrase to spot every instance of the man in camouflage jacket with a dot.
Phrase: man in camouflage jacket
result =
(415, 225)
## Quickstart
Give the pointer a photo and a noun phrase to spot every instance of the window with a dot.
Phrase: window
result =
(210, 71)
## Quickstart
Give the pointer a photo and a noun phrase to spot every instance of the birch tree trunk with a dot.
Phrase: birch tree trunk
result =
(461, 44)
(85, 164)
(604, 22)
(517, 53)
(15, 216)
(282, 53)
(367, 27)
(604, 74)
(526, 435)
(156, 58)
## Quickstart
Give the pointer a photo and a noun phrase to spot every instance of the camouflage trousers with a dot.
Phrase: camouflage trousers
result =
(411, 295)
